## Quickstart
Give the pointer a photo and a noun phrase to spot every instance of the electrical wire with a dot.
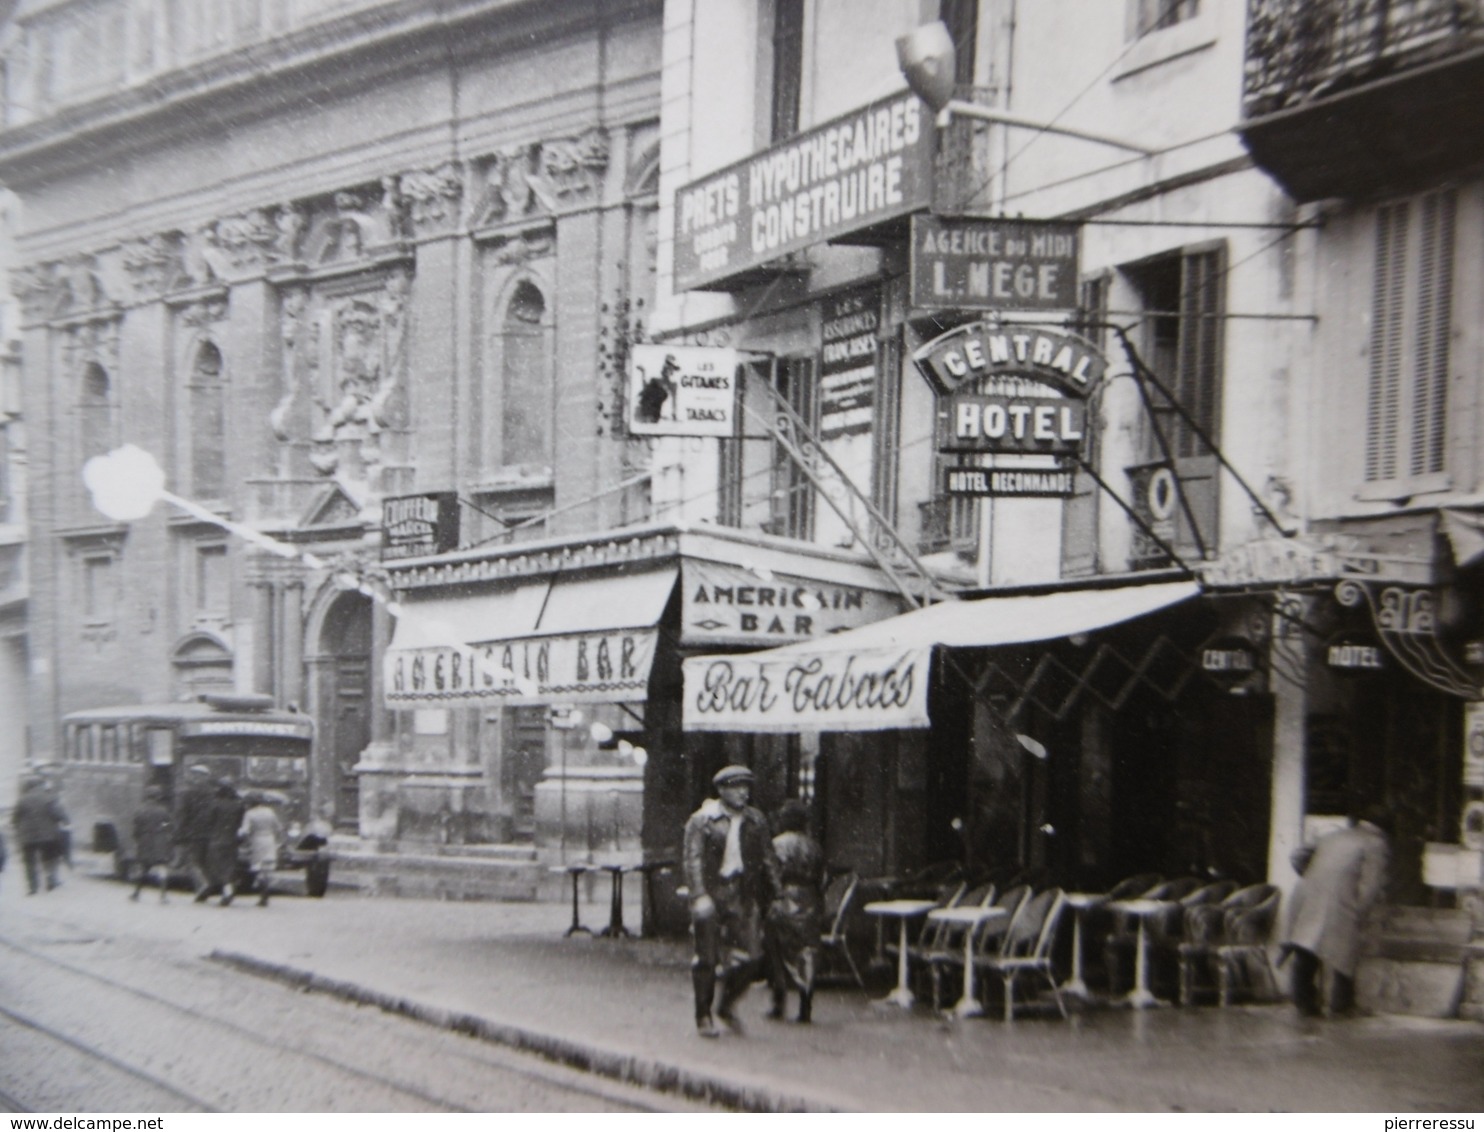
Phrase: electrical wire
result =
(1041, 131)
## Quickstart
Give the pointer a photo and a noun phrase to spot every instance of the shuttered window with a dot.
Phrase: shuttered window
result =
(1411, 319)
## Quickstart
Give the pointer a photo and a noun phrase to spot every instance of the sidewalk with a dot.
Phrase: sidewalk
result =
(623, 1007)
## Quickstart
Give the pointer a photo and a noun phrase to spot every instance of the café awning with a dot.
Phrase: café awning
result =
(876, 677)
(554, 640)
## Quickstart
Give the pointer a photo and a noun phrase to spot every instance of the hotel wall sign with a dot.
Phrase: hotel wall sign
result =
(1011, 390)
(999, 265)
(853, 172)
(1001, 482)
(1229, 660)
(1352, 655)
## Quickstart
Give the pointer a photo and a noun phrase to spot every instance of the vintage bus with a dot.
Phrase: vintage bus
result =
(111, 754)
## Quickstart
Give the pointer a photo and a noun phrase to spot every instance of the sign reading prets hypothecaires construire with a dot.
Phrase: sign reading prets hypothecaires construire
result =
(999, 265)
(847, 361)
(682, 391)
(413, 525)
(871, 165)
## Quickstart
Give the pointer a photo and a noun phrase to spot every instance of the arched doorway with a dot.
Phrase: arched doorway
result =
(345, 721)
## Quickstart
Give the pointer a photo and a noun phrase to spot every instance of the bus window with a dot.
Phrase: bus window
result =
(161, 746)
(108, 744)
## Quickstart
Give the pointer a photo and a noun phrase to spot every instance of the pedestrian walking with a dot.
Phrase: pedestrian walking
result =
(794, 919)
(262, 831)
(193, 824)
(154, 843)
(223, 821)
(1342, 882)
(39, 822)
(733, 878)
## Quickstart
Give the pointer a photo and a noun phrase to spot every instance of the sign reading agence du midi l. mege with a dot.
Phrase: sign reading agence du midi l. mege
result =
(865, 167)
(993, 264)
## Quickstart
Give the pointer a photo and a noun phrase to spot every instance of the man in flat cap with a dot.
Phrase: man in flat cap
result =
(733, 876)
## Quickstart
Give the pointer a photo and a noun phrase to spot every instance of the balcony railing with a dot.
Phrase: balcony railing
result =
(1300, 49)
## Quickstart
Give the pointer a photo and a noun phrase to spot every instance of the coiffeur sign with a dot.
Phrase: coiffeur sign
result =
(853, 172)
(861, 690)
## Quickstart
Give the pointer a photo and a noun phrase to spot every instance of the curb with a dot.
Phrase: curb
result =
(648, 1073)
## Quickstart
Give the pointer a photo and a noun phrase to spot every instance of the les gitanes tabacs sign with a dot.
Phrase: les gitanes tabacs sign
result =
(991, 264)
(856, 171)
(1011, 390)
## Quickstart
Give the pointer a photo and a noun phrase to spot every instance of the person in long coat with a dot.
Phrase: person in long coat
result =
(732, 874)
(795, 919)
(154, 841)
(221, 843)
(1344, 879)
(193, 823)
(39, 821)
(262, 830)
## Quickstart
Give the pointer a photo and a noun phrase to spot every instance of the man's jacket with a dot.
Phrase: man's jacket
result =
(705, 845)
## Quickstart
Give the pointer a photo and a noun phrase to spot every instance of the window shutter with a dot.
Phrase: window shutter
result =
(1434, 318)
(1199, 369)
(1387, 312)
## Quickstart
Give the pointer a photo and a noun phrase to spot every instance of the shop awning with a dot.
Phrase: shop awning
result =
(584, 640)
(875, 678)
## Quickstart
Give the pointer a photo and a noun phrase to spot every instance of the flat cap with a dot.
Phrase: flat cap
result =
(732, 776)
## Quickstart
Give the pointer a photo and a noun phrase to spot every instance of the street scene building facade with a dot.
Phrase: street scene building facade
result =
(1038, 436)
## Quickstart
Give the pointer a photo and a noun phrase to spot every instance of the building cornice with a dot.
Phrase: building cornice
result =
(339, 54)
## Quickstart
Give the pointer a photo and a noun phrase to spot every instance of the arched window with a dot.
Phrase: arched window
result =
(207, 396)
(95, 412)
(525, 430)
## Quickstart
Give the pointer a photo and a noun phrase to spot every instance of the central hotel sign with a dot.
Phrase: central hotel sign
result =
(871, 165)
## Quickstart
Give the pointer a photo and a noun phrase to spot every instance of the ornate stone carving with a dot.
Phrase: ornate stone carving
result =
(369, 358)
(540, 177)
(573, 167)
(523, 248)
(152, 265)
(291, 316)
(247, 241)
(289, 229)
(37, 288)
(96, 340)
(204, 312)
(433, 196)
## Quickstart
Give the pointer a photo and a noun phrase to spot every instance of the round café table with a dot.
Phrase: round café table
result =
(901, 910)
(971, 919)
(1081, 903)
(1141, 997)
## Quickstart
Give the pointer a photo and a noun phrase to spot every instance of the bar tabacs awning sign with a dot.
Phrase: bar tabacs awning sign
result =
(875, 678)
(856, 171)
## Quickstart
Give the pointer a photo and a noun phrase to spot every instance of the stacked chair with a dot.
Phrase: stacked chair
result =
(841, 900)
(1121, 946)
(988, 939)
(1026, 948)
(1226, 944)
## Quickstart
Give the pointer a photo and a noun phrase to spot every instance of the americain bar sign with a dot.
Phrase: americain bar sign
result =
(856, 171)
